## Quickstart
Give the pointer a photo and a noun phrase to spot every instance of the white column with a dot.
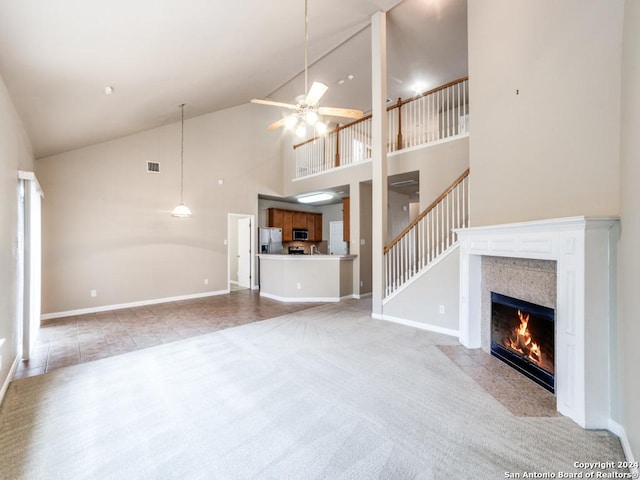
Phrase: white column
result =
(379, 160)
(354, 232)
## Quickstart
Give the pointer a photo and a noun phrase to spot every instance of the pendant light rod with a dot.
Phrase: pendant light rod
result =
(181, 210)
(182, 154)
(306, 44)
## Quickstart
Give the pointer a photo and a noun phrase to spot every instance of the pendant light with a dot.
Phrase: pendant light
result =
(182, 210)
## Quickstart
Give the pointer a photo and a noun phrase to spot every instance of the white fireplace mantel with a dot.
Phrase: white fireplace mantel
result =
(585, 252)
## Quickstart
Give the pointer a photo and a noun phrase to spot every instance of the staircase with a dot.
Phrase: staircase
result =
(428, 237)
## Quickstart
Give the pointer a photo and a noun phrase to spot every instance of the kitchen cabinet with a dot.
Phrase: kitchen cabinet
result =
(287, 225)
(275, 218)
(287, 220)
(311, 226)
(299, 219)
(314, 226)
(346, 219)
(318, 226)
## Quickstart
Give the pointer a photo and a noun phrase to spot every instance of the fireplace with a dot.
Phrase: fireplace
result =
(522, 336)
(584, 251)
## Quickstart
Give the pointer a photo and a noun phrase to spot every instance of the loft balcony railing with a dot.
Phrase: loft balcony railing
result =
(433, 116)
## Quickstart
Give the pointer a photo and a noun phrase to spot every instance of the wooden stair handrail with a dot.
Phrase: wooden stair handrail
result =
(389, 108)
(426, 211)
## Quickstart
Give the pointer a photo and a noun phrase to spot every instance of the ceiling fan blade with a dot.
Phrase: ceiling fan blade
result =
(316, 92)
(276, 124)
(341, 112)
(273, 104)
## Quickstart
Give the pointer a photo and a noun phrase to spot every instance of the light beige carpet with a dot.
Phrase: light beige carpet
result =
(327, 393)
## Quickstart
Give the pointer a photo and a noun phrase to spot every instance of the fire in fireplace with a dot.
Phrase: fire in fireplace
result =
(523, 336)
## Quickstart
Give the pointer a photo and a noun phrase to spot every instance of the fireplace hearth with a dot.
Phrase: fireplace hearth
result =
(523, 336)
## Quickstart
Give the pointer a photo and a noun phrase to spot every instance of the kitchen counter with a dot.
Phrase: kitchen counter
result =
(306, 278)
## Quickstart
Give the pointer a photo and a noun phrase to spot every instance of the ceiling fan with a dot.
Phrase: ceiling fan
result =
(306, 110)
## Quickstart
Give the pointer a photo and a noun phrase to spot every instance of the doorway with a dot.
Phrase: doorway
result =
(30, 259)
(240, 251)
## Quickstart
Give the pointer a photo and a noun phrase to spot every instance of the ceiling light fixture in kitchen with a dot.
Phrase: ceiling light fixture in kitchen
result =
(181, 210)
(315, 197)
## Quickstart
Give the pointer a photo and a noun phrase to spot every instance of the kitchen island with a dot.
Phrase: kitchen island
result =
(306, 278)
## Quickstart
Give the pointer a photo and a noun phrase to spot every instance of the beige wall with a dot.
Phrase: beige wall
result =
(397, 213)
(363, 244)
(420, 301)
(629, 254)
(552, 149)
(438, 166)
(107, 223)
(15, 154)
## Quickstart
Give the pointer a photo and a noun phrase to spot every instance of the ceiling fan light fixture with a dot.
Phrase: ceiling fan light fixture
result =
(301, 130)
(306, 107)
(311, 117)
(291, 121)
(321, 128)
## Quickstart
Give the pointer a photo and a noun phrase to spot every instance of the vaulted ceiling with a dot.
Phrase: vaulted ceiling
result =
(57, 57)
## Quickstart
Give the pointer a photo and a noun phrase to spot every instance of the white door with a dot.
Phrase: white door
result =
(337, 246)
(30, 256)
(244, 252)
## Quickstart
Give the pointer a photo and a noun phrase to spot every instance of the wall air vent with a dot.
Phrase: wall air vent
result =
(403, 183)
(153, 167)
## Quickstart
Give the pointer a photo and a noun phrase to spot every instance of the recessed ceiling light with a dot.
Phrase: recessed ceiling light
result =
(350, 77)
(108, 90)
(341, 81)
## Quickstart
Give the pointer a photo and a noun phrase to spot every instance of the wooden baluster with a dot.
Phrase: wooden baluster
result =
(399, 147)
(337, 163)
(458, 109)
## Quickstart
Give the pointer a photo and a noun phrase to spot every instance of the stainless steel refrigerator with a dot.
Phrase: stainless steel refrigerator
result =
(270, 240)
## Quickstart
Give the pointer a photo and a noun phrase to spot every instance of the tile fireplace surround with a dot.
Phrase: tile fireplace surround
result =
(584, 250)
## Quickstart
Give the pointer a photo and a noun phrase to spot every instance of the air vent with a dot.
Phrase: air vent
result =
(153, 167)
(403, 183)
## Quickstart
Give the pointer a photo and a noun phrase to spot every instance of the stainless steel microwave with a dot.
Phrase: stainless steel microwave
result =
(300, 234)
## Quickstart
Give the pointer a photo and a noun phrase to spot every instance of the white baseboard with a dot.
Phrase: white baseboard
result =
(9, 379)
(305, 299)
(422, 326)
(359, 296)
(617, 429)
(142, 303)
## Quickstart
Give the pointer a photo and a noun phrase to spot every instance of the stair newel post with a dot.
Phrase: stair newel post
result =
(399, 147)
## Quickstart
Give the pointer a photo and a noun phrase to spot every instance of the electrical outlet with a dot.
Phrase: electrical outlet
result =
(362, 283)
(362, 241)
(298, 285)
(441, 309)
(94, 293)
(206, 281)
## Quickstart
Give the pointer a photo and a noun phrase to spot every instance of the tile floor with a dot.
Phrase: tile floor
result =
(521, 396)
(83, 338)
